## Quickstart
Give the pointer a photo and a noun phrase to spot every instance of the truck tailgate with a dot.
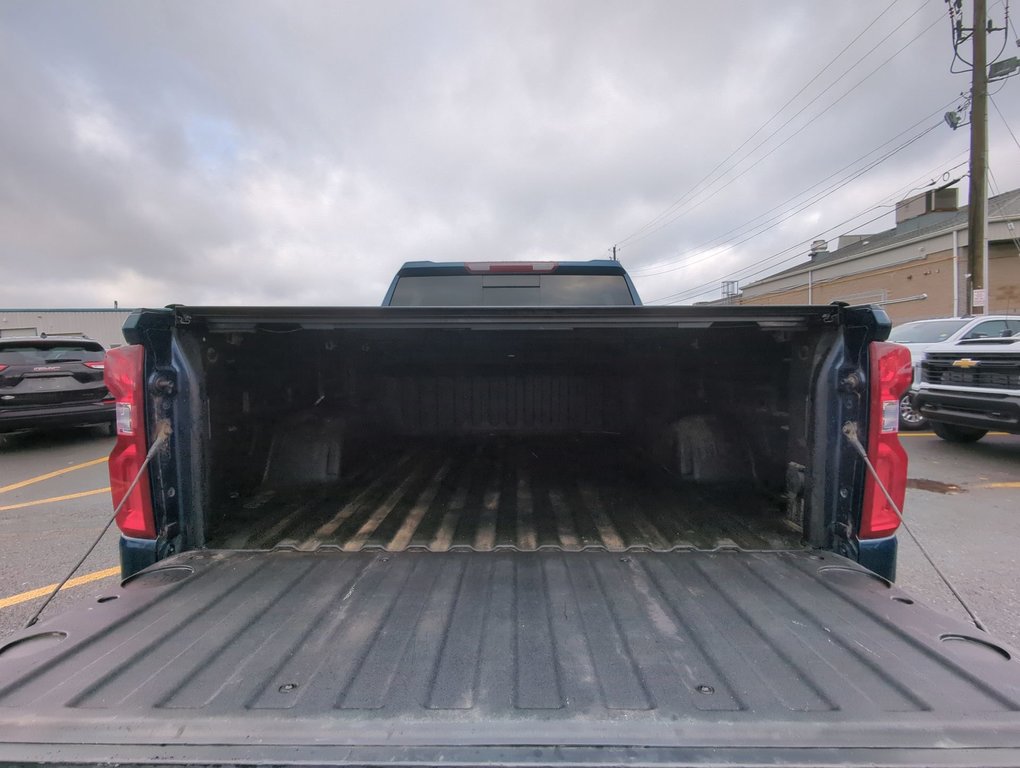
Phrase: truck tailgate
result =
(511, 657)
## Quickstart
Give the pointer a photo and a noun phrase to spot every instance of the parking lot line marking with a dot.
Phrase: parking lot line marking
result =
(34, 594)
(998, 485)
(57, 473)
(52, 499)
(932, 434)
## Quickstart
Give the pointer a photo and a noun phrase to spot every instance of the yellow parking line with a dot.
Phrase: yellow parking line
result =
(998, 485)
(33, 594)
(68, 497)
(48, 475)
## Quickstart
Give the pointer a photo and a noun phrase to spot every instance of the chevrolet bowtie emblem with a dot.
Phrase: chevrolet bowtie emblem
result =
(964, 362)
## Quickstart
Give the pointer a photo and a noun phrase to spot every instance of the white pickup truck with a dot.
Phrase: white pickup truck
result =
(971, 386)
(921, 335)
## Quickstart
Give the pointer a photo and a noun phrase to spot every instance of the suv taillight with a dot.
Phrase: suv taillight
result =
(891, 373)
(96, 365)
(124, 376)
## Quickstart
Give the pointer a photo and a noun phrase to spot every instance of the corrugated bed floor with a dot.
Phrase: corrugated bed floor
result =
(507, 647)
(569, 494)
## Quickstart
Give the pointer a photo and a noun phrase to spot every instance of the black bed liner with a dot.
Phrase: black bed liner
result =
(564, 493)
(428, 658)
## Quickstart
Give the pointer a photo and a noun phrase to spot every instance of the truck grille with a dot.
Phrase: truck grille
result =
(987, 371)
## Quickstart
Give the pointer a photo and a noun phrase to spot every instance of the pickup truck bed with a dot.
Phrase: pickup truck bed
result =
(479, 428)
(541, 657)
(566, 493)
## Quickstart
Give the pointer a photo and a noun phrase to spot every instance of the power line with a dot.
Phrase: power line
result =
(763, 125)
(711, 285)
(960, 34)
(705, 288)
(1002, 210)
(907, 189)
(1002, 84)
(1003, 118)
(671, 261)
(681, 213)
(688, 195)
(1005, 33)
(802, 206)
(697, 249)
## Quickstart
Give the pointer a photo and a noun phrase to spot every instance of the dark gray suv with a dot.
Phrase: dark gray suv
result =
(52, 382)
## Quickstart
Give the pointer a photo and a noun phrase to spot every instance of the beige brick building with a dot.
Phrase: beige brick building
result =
(916, 270)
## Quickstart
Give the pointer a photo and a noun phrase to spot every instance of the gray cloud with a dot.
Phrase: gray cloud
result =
(258, 152)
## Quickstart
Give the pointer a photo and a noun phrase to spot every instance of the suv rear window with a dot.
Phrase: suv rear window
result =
(525, 290)
(43, 352)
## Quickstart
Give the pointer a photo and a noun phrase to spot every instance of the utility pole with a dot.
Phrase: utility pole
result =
(977, 243)
(614, 253)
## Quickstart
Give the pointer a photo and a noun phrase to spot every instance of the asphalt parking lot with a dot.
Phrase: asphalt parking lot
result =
(54, 500)
(963, 505)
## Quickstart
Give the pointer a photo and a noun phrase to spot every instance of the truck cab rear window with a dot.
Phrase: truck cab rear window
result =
(511, 291)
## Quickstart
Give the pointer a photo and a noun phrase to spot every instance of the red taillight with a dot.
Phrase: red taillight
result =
(99, 366)
(125, 378)
(3, 367)
(891, 374)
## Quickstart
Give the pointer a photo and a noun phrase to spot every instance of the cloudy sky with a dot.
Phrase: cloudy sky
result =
(298, 153)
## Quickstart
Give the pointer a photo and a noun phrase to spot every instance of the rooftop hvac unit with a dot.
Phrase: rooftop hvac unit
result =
(944, 199)
(927, 202)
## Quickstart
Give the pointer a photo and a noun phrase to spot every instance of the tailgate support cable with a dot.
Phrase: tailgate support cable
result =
(850, 431)
(162, 435)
